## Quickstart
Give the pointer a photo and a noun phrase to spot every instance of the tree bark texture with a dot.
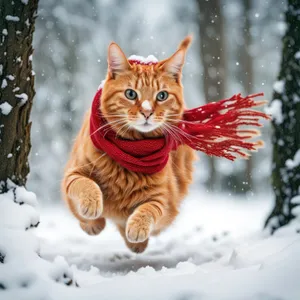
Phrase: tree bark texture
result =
(17, 19)
(247, 66)
(286, 137)
(213, 57)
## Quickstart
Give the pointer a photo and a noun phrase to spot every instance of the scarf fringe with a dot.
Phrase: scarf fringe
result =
(214, 128)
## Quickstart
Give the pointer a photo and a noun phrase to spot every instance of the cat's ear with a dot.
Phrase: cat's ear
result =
(185, 43)
(117, 61)
(174, 64)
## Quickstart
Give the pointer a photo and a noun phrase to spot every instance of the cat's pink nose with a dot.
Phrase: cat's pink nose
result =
(146, 113)
(146, 109)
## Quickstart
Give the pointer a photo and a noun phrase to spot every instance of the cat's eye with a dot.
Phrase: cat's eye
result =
(130, 94)
(162, 96)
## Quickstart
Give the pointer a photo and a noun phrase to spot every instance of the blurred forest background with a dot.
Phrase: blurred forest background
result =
(237, 48)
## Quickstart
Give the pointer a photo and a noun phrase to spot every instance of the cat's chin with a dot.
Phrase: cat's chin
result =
(145, 127)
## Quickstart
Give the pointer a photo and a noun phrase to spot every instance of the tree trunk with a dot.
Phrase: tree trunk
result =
(286, 123)
(247, 66)
(17, 20)
(211, 26)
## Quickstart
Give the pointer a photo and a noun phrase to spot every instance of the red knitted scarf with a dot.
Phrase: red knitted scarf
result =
(213, 128)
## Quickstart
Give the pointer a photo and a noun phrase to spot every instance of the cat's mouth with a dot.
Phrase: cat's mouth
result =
(145, 124)
(145, 127)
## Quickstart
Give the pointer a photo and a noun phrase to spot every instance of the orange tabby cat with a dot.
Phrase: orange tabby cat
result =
(148, 98)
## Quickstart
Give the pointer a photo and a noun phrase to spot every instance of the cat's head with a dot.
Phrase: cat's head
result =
(141, 100)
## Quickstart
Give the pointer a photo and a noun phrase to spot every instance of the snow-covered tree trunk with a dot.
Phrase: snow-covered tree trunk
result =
(211, 25)
(285, 108)
(16, 88)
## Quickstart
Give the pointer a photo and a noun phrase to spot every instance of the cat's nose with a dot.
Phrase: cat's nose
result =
(146, 109)
(146, 113)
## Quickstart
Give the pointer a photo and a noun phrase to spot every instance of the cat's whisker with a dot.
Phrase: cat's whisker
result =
(109, 114)
(175, 136)
(170, 132)
(172, 120)
(180, 132)
(185, 134)
(166, 130)
(113, 127)
(179, 120)
(114, 116)
(105, 125)
(98, 129)
(119, 132)
(116, 126)
(178, 137)
(176, 115)
(126, 130)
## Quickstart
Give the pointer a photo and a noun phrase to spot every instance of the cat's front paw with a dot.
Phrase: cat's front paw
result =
(90, 203)
(93, 227)
(137, 247)
(138, 228)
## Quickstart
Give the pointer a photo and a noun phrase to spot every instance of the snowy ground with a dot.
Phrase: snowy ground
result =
(203, 231)
(215, 250)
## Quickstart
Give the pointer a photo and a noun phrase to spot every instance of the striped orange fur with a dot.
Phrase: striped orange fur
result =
(96, 188)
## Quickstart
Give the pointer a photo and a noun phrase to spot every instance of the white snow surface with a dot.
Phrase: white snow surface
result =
(12, 18)
(101, 85)
(142, 59)
(293, 163)
(10, 77)
(215, 250)
(22, 97)
(275, 110)
(279, 86)
(5, 108)
(4, 84)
